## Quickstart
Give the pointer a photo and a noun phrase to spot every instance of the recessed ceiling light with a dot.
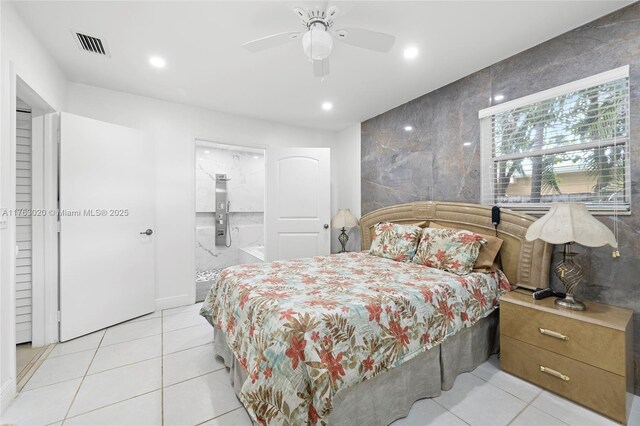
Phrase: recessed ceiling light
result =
(408, 128)
(466, 144)
(201, 159)
(411, 52)
(256, 157)
(206, 151)
(498, 98)
(327, 106)
(157, 62)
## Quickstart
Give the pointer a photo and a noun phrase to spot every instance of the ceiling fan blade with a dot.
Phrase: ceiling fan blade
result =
(270, 41)
(372, 40)
(321, 68)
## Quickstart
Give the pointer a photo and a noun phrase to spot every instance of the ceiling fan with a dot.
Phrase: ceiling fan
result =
(317, 38)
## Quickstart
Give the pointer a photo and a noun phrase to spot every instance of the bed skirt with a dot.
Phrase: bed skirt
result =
(390, 395)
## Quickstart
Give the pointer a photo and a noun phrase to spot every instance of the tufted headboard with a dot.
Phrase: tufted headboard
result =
(525, 263)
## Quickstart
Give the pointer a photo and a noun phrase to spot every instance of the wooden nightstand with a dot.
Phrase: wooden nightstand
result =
(584, 356)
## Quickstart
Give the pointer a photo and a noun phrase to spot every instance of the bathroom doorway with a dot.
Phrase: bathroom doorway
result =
(230, 192)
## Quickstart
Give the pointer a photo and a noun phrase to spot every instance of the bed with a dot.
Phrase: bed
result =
(356, 339)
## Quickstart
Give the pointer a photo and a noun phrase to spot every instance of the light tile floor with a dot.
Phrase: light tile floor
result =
(160, 370)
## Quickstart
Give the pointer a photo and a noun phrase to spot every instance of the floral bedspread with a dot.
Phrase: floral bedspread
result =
(305, 329)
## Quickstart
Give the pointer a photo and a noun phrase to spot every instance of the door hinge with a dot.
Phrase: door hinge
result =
(59, 315)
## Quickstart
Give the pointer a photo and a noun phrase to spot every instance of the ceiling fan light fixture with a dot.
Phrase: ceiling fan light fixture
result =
(317, 44)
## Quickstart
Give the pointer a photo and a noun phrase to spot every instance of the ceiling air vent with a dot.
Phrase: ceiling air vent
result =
(90, 43)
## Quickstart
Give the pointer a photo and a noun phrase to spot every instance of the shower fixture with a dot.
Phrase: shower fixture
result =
(223, 229)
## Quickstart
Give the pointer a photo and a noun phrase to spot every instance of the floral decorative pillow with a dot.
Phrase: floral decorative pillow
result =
(449, 249)
(488, 259)
(394, 241)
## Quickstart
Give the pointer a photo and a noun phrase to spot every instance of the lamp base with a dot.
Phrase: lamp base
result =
(570, 273)
(570, 303)
(343, 238)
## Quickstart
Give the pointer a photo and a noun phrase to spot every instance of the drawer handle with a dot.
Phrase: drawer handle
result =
(554, 373)
(553, 334)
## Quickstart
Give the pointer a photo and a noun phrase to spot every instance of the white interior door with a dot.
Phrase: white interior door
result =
(107, 204)
(298, 203)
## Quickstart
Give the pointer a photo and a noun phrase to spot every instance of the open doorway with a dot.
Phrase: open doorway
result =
(35, 271)
(26, 354)
(230, 191)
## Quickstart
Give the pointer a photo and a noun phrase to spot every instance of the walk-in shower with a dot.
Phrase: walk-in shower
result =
(229, 209)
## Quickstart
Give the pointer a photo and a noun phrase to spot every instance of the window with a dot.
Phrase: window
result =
(566, 144)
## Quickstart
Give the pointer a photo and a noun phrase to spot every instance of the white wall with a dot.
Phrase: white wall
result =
(173, 128)
(20, 54)
(345, 169)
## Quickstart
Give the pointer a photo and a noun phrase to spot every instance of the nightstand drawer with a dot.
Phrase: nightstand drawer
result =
(592, 344)
(596, 388)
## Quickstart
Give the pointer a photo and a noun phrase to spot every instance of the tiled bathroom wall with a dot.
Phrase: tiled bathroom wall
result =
(245, 191)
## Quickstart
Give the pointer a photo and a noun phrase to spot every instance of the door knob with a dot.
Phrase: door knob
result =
(147, 232)
(326, 226)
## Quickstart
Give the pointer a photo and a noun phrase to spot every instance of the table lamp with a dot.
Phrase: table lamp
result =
(568, 223)
(342, 220)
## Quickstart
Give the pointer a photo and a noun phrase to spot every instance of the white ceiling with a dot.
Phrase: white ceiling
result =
(206, 66)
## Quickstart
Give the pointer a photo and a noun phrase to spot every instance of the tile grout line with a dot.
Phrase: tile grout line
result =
(107, 345)
(109, 405)
(190, 326)
(187, 349)
(123, 365)
(505, 390)
(56, 344)
(241, 407)
(499, 388)
(543, 411)
(55, 383)
(517, 414)
(136, 338)
(132, 340)
(194, 377)
(75, 395)
(186, 310)
(102, 345)
(448, 411)
(51, 384)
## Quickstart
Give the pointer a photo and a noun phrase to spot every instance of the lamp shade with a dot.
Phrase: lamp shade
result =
(344, 219)
(317, 44)
(571, 222)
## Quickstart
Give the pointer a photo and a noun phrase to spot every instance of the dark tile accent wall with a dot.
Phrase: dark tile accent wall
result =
(432, 163)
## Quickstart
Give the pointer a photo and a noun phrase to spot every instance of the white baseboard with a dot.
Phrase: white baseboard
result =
(174, 301)
(7, 394)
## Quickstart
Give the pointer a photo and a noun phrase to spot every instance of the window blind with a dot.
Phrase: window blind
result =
(567, 144)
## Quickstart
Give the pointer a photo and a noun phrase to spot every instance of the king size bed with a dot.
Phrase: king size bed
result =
(357, 338)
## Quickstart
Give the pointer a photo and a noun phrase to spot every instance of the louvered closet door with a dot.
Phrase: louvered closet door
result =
(23, 225)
